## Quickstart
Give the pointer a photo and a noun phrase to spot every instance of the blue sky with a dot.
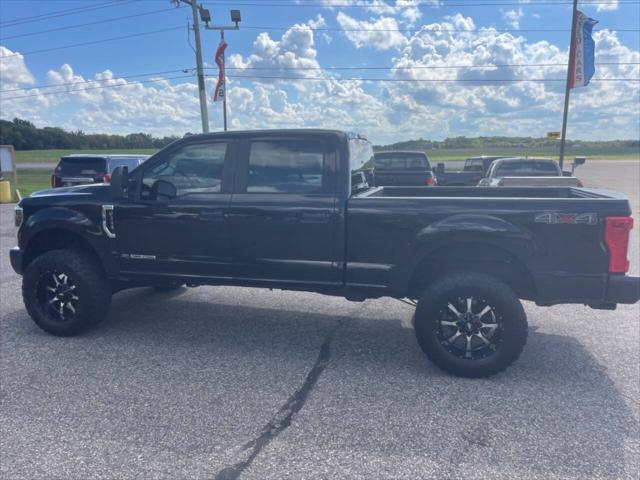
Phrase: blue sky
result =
(278, 37)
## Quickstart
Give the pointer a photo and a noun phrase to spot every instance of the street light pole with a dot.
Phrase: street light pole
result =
(235, 18)
(224, 79)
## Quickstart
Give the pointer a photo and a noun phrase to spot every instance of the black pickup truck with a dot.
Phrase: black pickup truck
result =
(291, 210)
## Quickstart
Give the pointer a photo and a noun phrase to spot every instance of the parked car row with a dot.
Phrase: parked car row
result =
(401, 168)
(391, 168)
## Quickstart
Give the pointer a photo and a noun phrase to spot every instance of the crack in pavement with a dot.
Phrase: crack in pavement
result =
(282, 419)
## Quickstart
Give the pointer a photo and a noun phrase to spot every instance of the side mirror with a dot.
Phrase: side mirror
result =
(440, 168)
(359, 182)
(161, 190)
(119, 182)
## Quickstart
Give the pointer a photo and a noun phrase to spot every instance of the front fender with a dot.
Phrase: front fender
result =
(88, 227)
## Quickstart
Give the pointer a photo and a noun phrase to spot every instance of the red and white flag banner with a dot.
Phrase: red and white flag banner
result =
(220, 86)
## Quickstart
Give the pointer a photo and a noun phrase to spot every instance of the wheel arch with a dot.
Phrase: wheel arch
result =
(477, 257)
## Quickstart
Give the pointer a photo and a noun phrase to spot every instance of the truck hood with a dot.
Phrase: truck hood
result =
(97, 192)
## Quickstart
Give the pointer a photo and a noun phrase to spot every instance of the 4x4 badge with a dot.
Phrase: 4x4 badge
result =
(554, 218)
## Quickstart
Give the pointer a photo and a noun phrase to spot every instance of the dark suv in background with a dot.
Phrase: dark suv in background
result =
(80, 169)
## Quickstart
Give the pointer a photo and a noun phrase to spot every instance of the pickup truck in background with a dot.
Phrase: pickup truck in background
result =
(527, 171)
(400, 168)
(474, 170)
(291, 210)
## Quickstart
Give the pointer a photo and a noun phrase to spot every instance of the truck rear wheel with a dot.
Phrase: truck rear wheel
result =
(471, 325)
(65, 292)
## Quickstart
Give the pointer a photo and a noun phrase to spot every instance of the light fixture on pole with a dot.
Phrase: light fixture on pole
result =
(222, 80)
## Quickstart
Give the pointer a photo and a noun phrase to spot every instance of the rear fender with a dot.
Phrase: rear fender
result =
(461, 230)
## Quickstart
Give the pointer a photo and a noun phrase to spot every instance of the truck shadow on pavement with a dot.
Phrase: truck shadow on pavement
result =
(555, 412)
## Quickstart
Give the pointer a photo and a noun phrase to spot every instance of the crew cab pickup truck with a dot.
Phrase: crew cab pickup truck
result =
(291, 210)
(400, 168)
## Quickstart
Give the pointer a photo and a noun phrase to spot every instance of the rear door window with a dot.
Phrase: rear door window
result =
(81, 167)
(285, 166)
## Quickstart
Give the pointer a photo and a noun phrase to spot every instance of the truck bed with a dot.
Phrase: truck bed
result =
(488, 192)
(390, 229)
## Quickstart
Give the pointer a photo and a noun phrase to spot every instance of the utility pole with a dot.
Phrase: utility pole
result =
(196, 10)
(567, 92)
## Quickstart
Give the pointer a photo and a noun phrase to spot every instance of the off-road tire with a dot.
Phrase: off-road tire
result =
(91, 288)
(513, 321)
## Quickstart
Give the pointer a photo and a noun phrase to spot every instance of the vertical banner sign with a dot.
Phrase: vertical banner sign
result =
(582, 63)
(220, 86)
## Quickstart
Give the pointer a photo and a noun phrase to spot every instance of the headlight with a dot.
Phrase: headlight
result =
(18, 216)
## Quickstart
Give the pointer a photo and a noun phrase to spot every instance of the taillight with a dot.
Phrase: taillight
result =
(431, 181)
(105, 178)
(580, 184)
(616, 237)
(53, 181)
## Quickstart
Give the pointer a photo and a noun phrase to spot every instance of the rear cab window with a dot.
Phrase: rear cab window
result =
(286, 166)
(528, 168)
(402, 161)
(81, 167)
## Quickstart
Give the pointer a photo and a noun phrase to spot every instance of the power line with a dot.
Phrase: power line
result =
(126, 17)
(387, 80)
(153, 80)
(423, 29)
(82, 82)
(64, 13)
(318, 29)
(427, 67)
(93, 42)
(426, 5)
(417, 67)
(431, 80)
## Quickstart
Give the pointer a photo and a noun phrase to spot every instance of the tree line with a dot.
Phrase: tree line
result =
(532, 143)
(24, 135)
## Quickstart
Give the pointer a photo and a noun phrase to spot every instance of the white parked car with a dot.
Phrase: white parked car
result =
(527, 172)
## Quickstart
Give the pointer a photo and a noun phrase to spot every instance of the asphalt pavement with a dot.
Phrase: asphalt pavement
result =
(222, 382)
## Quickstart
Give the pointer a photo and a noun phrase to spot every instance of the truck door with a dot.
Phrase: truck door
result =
(175, 222)
(283, 212)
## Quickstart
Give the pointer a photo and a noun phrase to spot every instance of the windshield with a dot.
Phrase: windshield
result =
(81, 166)
(401, 161)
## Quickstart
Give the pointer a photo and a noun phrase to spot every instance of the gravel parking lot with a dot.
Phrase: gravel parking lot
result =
(220, 382)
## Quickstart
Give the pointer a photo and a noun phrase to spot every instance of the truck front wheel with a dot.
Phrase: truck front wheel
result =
(471, 325)
(65, 292)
